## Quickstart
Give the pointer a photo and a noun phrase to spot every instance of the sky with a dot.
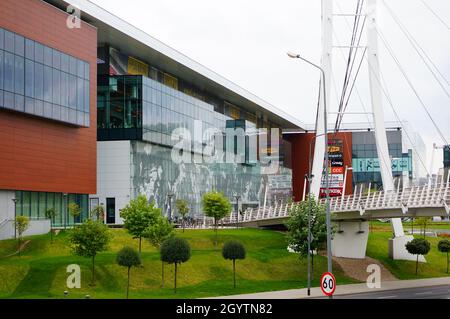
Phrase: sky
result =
(246, 42)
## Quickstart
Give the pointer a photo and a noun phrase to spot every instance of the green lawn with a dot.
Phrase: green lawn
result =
(41, 271)
(377, 248)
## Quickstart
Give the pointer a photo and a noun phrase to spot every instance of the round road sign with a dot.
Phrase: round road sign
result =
(328, 284)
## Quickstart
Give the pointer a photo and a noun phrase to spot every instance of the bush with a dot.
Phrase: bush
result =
(444, 247)
(128, 257)
(175, 251)
(418, 246)
(233, 250)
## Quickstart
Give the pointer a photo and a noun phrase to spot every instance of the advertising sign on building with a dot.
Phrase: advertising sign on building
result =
(335, 170)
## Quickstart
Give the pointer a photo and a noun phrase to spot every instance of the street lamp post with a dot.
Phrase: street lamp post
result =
(327, 181)
(15, 200)
(169, 206)
(238, 197)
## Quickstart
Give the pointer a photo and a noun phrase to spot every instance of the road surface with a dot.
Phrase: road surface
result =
(434, 292)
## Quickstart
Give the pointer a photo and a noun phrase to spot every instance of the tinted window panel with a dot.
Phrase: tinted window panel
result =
(80, 97)
(39, 52)
(64, 62)
(1, 69)
(8, 83)
(19, 75)
(39, 107)
(39, 81)
(48, 56)
(64, 89)
(2, 38)
(19, 103)
(29, 49)
(19, 45)
(56, 59)
(9, 41)
(72, 92)
(80, 69)
(29, 78)
(86, 96)
(72, 65)
(48, 80)
(56, 87)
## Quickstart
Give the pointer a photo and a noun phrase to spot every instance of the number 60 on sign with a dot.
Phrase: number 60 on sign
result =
(328, 284)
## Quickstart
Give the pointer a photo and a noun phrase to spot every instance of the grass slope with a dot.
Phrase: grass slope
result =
(435, 266)
(41, 271)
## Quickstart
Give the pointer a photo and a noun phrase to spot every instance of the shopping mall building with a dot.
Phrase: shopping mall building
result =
(97, 111)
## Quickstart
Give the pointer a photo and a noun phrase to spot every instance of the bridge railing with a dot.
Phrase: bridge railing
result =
(436, 195)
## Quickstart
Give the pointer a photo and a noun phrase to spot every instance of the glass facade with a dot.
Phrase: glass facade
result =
(155, 174)
(38, 80)
(365, 160)
(34, 205)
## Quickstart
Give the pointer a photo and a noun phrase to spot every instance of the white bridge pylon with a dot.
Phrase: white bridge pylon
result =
(318, 169)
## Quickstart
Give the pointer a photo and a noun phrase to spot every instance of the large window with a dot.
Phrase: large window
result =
(34, 205)
(42, 81)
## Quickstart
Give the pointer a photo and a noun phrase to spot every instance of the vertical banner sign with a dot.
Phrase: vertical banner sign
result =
(335, 170)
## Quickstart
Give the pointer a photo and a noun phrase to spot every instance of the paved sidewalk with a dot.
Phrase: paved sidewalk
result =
(343, 289)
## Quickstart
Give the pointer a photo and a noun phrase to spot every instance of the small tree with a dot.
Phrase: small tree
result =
(138, 215)
(423, 223)
(297, 226)
(21, 224)
(98, 213)
(233, 250)
(88, 240)
(175, 251)
(216, 205)
(183, 210)
(51, 213)
(418, 246)
(128, 257)
(157, 233)
(74, 210)
(444, 247)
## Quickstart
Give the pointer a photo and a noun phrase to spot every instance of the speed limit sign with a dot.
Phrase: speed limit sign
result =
(328, 284)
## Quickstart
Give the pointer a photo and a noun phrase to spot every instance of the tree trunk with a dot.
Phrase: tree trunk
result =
(312, 264)
(175, 282)
(182, 222)
(51, 235)
(417, 263)
(447, 262)
(215, 230)
(20, 242)
(140, 245)
(234, 273)
(128, 284)
(162, 274)
(93, 270)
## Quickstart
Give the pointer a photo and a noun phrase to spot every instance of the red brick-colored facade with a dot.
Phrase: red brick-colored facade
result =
(38, 154)
(301, 156)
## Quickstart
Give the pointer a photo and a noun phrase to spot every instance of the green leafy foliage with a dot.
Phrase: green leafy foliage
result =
(233, 250)
(51, 213)
(74, 209)
(98, 213)
(159, 231)
(88, 239)
(183, 209)
(138, 215)
(175, 251)
(21, 223)
(418, 246)
(298, 226)
(216, 205)
(444, 247)
(128, 257)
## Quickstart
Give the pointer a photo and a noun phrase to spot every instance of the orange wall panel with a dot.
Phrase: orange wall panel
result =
(38, 154)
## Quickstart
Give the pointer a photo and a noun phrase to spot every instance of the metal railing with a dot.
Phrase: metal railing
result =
(426, 196)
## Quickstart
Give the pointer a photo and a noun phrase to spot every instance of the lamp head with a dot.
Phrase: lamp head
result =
(293, 55)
